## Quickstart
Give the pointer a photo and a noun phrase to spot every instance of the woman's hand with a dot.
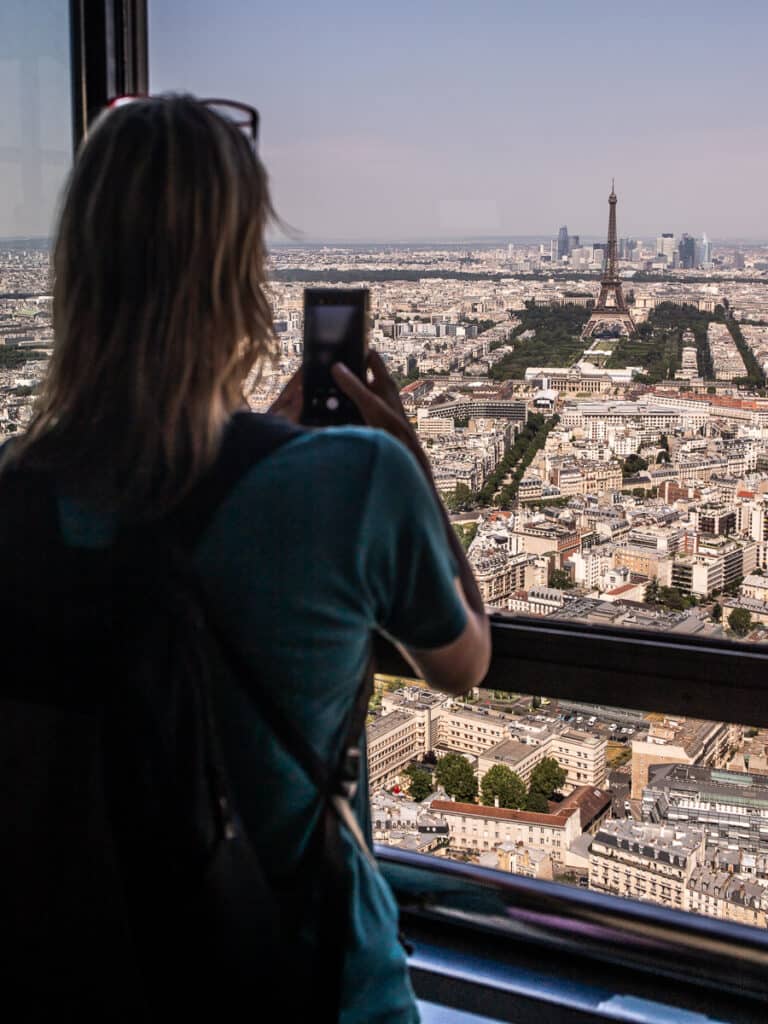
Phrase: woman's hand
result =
(288, 402)
(379, 403)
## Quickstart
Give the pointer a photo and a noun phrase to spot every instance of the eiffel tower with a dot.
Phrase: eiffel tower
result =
(611, 310)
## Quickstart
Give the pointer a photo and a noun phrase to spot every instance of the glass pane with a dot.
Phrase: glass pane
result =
(655, 807)
(591, 397)
(584, 362)
(35, 155)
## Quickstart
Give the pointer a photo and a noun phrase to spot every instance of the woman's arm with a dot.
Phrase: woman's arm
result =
(462, 664)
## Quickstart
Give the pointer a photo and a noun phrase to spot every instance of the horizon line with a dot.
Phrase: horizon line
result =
(501, 239)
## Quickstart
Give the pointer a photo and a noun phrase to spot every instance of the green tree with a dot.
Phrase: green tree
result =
(652, 591)
(674, 598)
(419, 782)
(536, 801)
(546, 778)
(740, 621)
(454, 773)
(561, 580)
(460, 499)
(633, 464)
(717, 613)
(505, 784)
(13, 358)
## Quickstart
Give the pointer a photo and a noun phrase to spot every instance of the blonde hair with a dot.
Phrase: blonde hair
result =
(159, 303)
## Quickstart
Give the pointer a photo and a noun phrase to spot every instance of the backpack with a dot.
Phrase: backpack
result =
(130, 888)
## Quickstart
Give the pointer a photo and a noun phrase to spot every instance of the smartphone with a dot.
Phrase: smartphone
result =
(335, 330)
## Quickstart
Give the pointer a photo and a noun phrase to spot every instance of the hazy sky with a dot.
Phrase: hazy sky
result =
(433, 119)
(420, 119)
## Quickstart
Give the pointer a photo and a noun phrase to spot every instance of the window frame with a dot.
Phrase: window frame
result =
(109, 56)
(658, 672)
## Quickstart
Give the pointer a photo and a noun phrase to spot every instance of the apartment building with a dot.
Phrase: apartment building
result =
(423, 705)
(474, 829)
(499, 575)
(444, 722)
(469, 731)
(644, 561)
(555, 538)
(586, 476)
(519, 757)
(645, 862)
(527, 861)
(589, 567)
(731, 808)
(580, 754)
(755, 587)
(728, 897)
(726, 358)
(718, 563)
(393, 741)
(681, 741)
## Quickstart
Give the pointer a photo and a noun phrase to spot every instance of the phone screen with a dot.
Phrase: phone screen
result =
(335, 327)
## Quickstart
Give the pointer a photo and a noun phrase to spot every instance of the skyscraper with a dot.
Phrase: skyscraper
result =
(665, 246)
(627, 248)
(704, 252)
(563, 245)
(687, 251)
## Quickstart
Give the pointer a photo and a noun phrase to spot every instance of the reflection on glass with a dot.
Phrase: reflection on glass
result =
(652, 807)
(35, 155)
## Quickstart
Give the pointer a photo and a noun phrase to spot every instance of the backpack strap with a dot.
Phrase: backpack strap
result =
(249, 438)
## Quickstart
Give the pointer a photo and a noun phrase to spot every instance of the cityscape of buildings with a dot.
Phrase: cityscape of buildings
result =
(612, 477)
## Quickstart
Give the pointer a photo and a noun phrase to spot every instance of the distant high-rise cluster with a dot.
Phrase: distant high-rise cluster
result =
(684, 252)
(687, 252)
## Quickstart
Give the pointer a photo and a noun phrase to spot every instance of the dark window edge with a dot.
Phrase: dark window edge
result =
(548, 924)
(702, 679)
(108, 41)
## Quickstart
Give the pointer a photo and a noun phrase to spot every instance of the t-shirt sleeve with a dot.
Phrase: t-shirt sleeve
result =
(408, 567)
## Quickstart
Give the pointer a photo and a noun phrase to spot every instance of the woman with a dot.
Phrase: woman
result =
(160, 313)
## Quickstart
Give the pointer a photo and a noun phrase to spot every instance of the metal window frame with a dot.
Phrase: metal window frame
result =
(524, 950)
(109, 56)
(706, 679)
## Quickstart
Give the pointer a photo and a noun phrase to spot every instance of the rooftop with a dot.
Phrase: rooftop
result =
(556, 820)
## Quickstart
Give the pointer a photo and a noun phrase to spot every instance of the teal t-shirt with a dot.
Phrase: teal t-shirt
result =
(335, 534)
